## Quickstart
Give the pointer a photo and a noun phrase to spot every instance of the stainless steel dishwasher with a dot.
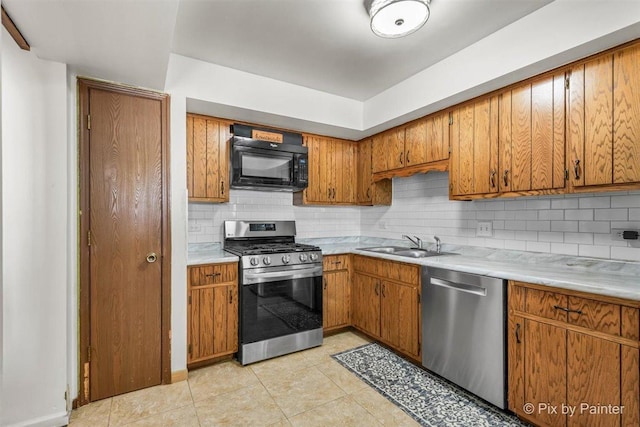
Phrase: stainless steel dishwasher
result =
(463, 331)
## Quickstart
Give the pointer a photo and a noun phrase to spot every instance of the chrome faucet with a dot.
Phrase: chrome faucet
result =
(438, 244)
(417, 241)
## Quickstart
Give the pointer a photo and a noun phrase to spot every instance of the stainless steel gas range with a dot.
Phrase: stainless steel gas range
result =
(280, 308)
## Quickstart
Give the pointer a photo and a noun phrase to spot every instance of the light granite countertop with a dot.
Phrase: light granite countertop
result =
(604, 277)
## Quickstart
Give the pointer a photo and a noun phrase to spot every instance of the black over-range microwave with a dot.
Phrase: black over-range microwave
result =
(265, 165)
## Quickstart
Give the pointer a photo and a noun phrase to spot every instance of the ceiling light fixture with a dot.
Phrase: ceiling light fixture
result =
(398, 18)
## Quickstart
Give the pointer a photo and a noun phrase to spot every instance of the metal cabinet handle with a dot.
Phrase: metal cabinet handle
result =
(328, 193)
(368, 193)
(222, 188)
(377, 291)
(492, 178)
(152, 257)
(401, 158)
(383, 295)
(505, 177)
(407, 157)
(518, 341)
(576, 168)
(566, 309)
(230, 296)
(324, 281)
(213, 275)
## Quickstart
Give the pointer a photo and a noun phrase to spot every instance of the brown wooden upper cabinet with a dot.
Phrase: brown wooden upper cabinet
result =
(207, 159)
(422, 142)
(604, 121)
(532, 135)
(370, 193)
(474, 149)
(332, 172)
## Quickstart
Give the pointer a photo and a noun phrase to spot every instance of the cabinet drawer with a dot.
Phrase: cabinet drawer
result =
(398, 271)
(212, 274)
(595, 315)
(546, 304)
(335, 262)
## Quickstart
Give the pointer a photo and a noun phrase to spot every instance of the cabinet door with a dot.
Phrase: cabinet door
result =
(213, 322)
(604, 121)
(474, 145)
(207, 159)
(437, 146)
(319, 169)
(344, 169)
(415, 149)
(336, 299)
(399, 317)
(532, 136)
(593, 372)
(364, 174)
(545, 370)
(516, 362)
(365, 294)
(388, 150)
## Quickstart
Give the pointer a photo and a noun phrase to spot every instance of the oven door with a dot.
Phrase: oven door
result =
(254, 167)
(280, 301)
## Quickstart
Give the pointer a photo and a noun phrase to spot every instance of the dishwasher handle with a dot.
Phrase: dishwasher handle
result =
(462, 287)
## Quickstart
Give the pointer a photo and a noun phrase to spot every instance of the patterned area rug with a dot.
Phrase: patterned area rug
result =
(429, 400)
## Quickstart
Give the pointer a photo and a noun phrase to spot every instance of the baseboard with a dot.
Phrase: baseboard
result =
(54, 420)
(177, 376)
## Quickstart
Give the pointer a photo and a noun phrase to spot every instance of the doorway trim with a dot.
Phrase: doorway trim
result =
(84, 85)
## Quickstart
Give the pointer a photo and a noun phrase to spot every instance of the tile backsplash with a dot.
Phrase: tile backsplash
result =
(566, 224)
(206, 220)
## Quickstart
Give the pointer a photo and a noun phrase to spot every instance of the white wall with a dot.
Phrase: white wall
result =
(34, 244)
(206, 220)
(567, 224)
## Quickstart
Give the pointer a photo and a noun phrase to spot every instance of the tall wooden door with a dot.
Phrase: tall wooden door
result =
(126, 208)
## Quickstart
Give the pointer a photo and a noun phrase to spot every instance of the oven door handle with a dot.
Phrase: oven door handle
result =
(252, 278)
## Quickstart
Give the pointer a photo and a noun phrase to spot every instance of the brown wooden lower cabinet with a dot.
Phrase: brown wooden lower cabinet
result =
(573, 357)
(386, 302)
(336, 292)
(212, 297)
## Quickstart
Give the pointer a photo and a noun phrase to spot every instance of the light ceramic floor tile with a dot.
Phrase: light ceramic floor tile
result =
(383, 410)
(280, 365)
(343, 378)
(282, 423)
(220, 378)
(140, 404)
(249, 406)
(344, 411)
(182, 417)
(95, 414)
(300, 391)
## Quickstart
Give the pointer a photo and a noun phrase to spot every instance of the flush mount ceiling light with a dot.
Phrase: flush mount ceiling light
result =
(398, 18)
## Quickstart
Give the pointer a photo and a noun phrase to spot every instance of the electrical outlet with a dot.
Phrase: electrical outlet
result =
(484, 229)
(631, 236)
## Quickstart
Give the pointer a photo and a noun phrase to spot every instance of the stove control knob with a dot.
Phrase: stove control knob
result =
(254, 261)
(286, 259)
(313, 257)
(303, 257)
(266, 260)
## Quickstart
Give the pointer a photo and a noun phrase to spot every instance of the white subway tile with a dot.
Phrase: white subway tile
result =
(634, 214)
(551, 215)
(579, 214)
(553, 236)
(627, 254)
(515, 245)
(594, 227)
(538, 225)
(632, 201)
(611, 214)
(538, 246)
(595, 202)
(538, 204)
(515, 225)
(515, 205)
(527, 235)
(564, 248)
(571, 226)
(594, 251)
(581, 238)
(564, 204)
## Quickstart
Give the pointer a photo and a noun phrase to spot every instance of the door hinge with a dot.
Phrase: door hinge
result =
(89, 238)
(450, 119)
(566, 81)
(566, 174)
(190, 348)
(89, 121)
(89, 354)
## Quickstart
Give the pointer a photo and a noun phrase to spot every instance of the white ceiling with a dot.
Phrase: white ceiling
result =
(321, 44)
(327, 44)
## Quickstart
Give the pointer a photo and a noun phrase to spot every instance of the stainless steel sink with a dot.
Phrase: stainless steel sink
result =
(405, 252)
